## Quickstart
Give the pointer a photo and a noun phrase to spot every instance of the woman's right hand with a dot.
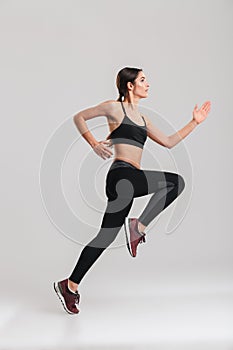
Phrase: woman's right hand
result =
(102, 149)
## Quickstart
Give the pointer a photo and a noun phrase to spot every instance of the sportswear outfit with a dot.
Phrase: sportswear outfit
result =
(124, 182)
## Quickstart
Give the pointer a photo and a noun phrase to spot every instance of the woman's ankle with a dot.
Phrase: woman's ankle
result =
(73, 286)
(141, 227)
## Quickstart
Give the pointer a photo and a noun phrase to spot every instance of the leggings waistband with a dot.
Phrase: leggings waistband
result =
(121, 163)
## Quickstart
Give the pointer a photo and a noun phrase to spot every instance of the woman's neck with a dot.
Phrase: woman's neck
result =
(132, 106)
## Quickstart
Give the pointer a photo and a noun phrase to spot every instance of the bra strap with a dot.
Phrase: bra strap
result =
(143, 119)
(127, 116)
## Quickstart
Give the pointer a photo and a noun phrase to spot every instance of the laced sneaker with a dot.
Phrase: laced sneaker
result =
(133, 235)
(70, 301)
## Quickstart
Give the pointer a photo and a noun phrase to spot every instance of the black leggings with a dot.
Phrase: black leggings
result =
(124, 182)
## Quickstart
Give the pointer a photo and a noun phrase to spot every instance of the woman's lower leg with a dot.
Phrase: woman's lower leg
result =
(110, 227)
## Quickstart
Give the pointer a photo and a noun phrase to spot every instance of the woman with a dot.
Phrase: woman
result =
(125, 179)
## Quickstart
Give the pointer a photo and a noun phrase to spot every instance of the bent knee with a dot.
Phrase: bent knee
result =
(180, 183)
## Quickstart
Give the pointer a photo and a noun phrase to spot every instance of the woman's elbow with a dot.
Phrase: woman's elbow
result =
(167, 143)
(76, 117)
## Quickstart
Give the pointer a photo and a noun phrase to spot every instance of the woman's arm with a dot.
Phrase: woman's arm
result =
(181, 134)
(170, 141)
(102, 109)
(198, 117)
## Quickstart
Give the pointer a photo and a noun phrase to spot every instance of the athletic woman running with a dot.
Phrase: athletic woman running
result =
(125, 179)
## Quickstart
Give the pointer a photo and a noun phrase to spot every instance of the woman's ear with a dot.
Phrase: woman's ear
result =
(129, 85)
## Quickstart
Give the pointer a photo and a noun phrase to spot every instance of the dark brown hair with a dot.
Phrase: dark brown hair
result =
(123, 77)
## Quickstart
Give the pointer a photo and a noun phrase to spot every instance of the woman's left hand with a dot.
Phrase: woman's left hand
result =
(199, 115)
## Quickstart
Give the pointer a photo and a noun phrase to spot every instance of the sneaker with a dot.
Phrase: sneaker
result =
(133, 235)
(70, 301)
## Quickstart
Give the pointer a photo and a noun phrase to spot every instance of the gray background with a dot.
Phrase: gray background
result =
(58, 57)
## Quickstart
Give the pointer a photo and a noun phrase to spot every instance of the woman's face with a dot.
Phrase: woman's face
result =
(141, 85)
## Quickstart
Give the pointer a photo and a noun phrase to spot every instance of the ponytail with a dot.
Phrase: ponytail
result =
(120, 96)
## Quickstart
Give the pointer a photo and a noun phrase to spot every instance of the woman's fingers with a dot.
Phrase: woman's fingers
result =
(102, 149)
(206, 104)
(105, 155)
(106, 152)
(207, 108)
(107, 148)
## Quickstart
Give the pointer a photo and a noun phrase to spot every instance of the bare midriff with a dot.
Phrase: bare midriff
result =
(128, 153)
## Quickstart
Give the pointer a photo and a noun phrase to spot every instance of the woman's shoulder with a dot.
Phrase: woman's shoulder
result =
(110, 102)
(111, 107)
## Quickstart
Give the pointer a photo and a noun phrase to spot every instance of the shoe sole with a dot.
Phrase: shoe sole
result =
(60, 296)
(127, 235)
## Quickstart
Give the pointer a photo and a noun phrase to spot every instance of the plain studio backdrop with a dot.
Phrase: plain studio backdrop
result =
(57, 58)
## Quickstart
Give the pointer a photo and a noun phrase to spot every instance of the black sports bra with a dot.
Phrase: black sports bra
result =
(129, 132)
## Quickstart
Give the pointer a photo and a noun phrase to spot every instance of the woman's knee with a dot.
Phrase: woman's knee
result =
(176, 180)
(180, 183)
(104, 237)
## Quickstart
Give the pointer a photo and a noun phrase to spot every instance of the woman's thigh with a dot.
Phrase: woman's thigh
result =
(157, 180)
(125, 183)
(129, 183)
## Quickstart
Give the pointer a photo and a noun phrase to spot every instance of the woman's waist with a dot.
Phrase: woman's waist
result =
(124, 161)
(132, 155)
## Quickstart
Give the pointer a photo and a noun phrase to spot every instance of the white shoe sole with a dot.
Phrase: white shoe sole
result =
(127, 235)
